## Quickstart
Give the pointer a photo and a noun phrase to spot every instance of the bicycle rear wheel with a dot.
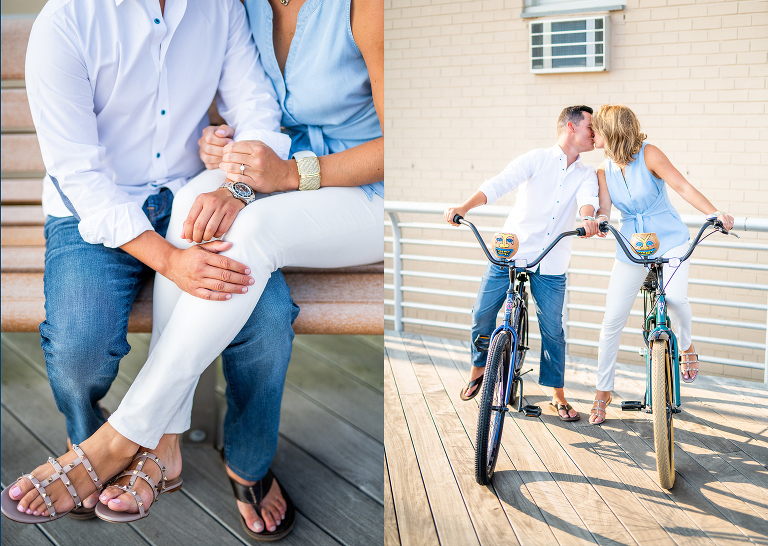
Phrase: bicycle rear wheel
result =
(661, 392)
(490, 423)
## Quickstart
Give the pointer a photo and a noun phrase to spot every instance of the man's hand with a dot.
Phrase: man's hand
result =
(200, 271)
(211, 215)
(212, 144)
(264, 171)
(453, 211)
(592, 227)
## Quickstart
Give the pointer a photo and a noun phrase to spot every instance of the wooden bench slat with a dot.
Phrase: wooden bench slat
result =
(357, 309)
(21, 191)
(15, 35)
(14, 112)
(20, 153)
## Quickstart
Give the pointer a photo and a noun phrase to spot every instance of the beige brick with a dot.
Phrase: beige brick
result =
(736, 20)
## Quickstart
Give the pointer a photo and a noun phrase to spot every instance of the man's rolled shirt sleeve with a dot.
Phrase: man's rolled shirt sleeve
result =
(245, 97)
(588, 191)
(61, 102)
(518, 171)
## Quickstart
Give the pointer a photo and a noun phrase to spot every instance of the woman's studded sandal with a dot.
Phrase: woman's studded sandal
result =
(165, 486)
(686, 361)
(9, 505)
(597, 409)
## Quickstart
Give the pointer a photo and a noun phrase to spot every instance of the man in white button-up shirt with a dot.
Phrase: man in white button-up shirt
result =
(119, 92)
(551, 183)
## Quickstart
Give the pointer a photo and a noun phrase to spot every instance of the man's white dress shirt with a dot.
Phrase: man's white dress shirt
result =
(549, 192)
(119, 94)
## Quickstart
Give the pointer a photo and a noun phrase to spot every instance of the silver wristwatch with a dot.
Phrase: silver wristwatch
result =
(240, 191)
(309, 170)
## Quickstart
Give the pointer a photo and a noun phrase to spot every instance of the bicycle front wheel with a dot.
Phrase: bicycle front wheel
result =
(661, 392)
(491, 420)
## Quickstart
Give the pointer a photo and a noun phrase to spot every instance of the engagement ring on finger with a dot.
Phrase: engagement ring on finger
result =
(242, 168)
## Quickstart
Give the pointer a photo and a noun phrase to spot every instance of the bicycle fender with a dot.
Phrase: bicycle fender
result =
(660, 332)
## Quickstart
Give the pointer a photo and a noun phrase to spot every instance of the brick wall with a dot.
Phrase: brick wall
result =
(460, 103)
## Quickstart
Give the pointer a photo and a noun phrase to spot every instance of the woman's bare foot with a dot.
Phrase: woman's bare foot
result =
(168, 452)
(476, 372)
(559, 398)
(108, 452)
(272, 507)
(598, 413)
(691, 362)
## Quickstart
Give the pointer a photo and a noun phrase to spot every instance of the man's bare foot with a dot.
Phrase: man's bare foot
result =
(691, 362)
(272, 507)
(108, 452)
(476, 373)
(168, 452)
(559, 398)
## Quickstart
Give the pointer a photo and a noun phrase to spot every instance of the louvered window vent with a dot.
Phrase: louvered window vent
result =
(570, 45)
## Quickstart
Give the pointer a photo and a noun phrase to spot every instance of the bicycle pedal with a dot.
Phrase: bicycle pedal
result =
(632, 405)
(531, 411)
(676, 410)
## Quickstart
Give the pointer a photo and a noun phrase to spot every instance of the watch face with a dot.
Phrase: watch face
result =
(242, 190)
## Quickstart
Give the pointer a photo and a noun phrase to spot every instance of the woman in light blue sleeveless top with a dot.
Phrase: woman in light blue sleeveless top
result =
(634, 178)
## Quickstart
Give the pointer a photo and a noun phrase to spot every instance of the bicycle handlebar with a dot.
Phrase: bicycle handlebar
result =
(606, 227)
(458, 219)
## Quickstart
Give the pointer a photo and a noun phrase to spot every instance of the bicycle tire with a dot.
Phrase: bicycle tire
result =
(663, 433)
(490, 422)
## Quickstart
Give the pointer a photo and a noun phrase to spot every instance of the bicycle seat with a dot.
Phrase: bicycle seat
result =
(644, 244)
(505, 245)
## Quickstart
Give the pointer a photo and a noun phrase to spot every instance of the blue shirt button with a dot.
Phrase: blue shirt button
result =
(157, 21)
(162, 112)
(158, 155)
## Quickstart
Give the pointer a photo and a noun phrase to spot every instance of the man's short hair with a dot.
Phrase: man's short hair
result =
(572, 114)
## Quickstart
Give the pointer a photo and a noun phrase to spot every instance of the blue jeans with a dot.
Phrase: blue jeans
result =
(89, 292)
(548, 292)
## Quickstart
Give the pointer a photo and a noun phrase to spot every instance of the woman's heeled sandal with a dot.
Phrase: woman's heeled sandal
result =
(596, 409)
(9, 505)
(686, 362)
(164, 486)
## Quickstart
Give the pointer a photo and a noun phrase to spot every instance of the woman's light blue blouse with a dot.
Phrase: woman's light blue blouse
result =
(644, 204)
(326, 92)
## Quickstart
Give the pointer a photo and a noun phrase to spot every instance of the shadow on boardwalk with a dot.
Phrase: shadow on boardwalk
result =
(329, 456)
(565, 483)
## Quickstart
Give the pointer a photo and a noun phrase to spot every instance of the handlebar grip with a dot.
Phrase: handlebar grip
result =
(581, 232)
(604, 226)
(457, 218)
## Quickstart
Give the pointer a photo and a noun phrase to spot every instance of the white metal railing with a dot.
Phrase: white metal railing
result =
(399, 289)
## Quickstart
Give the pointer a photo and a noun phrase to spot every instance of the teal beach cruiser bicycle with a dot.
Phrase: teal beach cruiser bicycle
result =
(662, 354)
(507, 345)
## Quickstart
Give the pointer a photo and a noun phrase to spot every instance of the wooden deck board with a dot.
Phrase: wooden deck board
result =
(336, 504)
(580, 483)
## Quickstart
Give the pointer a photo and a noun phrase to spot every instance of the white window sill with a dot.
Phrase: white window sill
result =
(576, 6)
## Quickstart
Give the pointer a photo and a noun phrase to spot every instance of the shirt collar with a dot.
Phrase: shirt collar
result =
(557, 151)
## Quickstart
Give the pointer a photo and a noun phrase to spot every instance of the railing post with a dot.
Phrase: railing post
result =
(397, 274)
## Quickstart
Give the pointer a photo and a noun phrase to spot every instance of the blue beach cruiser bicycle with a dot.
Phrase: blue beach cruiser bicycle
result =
(506, 346)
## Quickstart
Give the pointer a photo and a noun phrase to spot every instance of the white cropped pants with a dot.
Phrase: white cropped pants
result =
(329, 227)
(626, 280)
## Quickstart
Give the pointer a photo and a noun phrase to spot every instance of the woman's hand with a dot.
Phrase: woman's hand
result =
(212, 144)
(200, 271)
(453, 211)
(592, 227)
(264, 171)
(211, 215)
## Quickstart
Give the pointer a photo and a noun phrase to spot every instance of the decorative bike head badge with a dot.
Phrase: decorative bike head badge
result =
(644, 244)
(505, 245)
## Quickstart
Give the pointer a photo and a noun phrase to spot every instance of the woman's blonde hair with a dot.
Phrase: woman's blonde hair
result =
(620, 129)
